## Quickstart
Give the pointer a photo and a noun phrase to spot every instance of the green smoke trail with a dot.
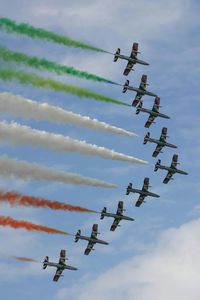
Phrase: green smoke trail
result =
(33, 61)
(11, 26)
(38, 81)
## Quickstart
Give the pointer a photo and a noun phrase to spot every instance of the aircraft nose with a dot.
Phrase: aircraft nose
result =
(73, 268)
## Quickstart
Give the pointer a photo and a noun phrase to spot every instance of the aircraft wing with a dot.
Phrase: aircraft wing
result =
(94, 231)
(139, 201)
(128, 68)
(120, 208)
(174, 161)
(146, 184)
(157, 150)
(62, 256)
(143, 82)
(156, 104)
(168, 177)
(89, 248)
(133, 55)
(119, 213)
(149, 121)
(114, 224)
(58, 274)
(137, 99)
(93, 235)
(134, 50)
(163, 135)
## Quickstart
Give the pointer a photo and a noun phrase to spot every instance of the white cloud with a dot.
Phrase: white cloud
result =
(168, 270)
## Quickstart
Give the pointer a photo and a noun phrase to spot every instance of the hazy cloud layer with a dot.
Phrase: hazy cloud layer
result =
(168, 270)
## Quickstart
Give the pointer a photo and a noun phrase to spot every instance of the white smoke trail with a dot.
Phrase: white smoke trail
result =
(26, 108)
(25, 170)
(18, 134)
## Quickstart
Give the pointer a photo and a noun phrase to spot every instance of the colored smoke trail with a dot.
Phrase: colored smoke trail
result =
(21, 107)
(20, 135)
(44, 64)
(16, 199)
(21, 224)
(25, 170)
(24, 259)
(41, 82)
(10, 26)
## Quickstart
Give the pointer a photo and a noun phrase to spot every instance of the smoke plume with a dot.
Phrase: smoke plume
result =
(25, 170)
(19, 224)
(15, 199)
(28, 109)
(18, 135)
(10, 26)
(48, 83)
(44, 64)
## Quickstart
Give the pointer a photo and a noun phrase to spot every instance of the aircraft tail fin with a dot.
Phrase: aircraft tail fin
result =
(116, 54)
(125, 86)
(157, 165)
(46, 260)
(128, 189)
(102, 213)
(147, 136)
(77, 236)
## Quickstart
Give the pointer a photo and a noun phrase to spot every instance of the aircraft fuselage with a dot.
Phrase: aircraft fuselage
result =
(160, 143)
(144, 193)
(172, 170)
(120, 217)
(132, 60)
(60, 266)
(92, 239)
(140, 91)
(153, 113)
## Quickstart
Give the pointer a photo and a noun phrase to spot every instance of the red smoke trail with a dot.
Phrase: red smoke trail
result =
(25, 259)
(16, 199)
(8, 221)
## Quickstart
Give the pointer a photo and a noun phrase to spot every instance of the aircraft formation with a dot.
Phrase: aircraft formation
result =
(144, 191)
(140, 91)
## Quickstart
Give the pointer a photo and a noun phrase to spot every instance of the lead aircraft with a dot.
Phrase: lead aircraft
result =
(61, 265)
(117, 217)
(132, 59)
(171, 170)
(92, 240)
(160, 143)
(144, 192)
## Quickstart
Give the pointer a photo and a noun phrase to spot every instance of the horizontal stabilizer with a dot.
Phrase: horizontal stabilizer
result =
(116, 54)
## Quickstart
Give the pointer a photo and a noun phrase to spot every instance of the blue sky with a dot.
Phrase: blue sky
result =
(157, 256)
